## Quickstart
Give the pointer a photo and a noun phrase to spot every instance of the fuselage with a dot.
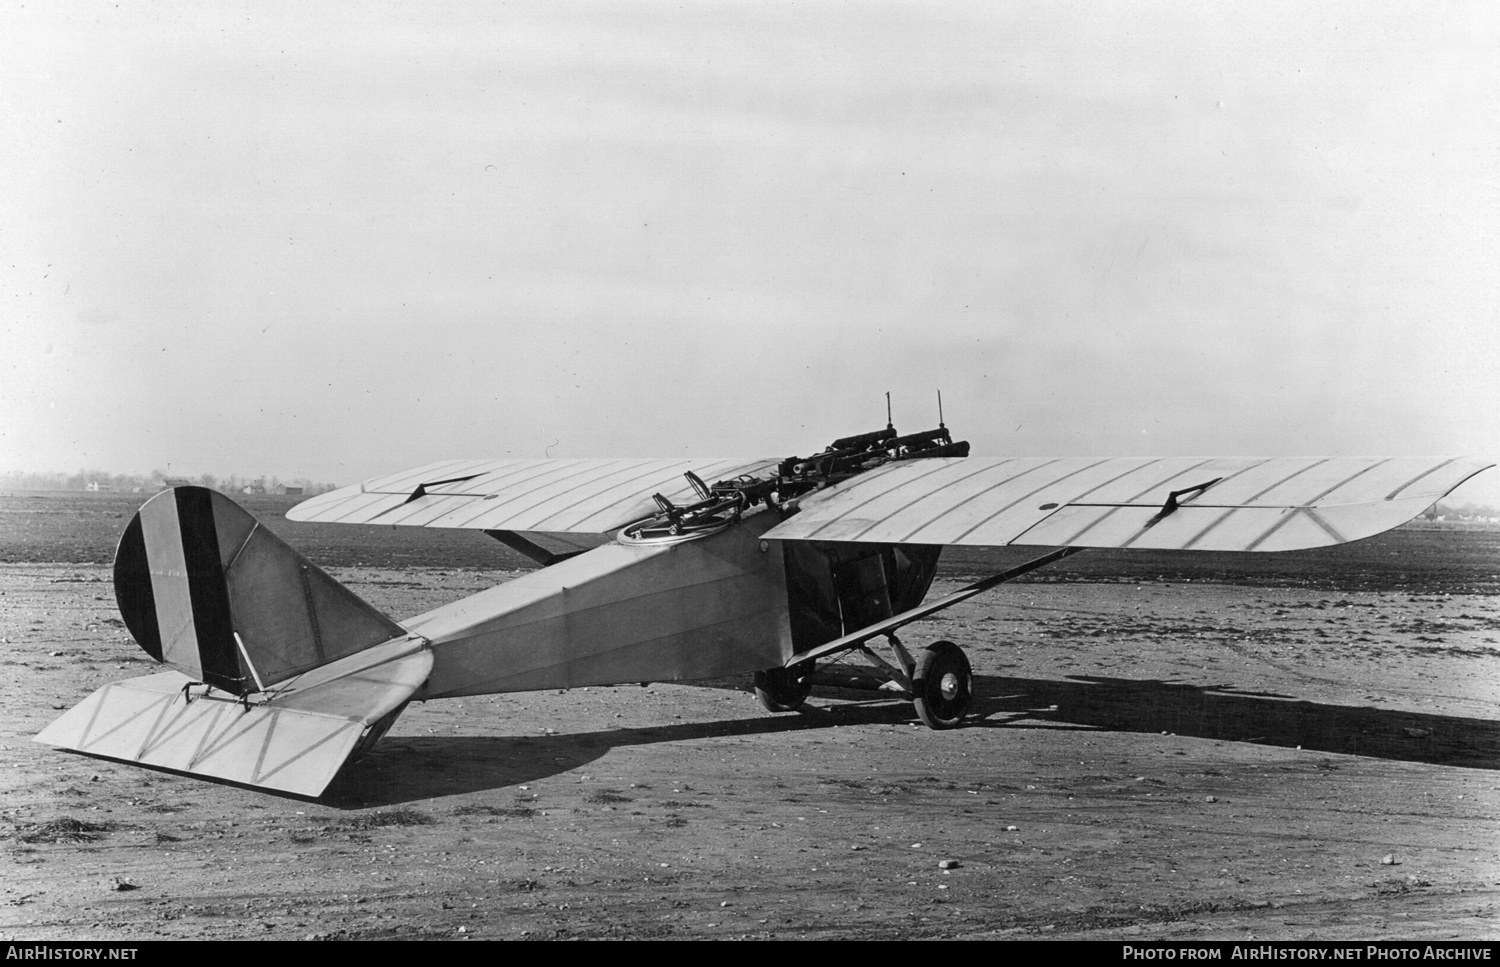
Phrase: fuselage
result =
(724, 603)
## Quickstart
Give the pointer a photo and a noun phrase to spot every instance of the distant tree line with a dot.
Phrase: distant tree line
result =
(1469, 511)
(151, 482)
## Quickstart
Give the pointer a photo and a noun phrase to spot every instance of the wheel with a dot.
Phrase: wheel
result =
(943, 686)
(784, 689)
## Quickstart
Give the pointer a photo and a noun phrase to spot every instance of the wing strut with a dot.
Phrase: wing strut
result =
(889, 626)
(531, 549)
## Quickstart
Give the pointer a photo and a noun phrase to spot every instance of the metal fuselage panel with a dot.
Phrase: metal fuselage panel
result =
(620, 613)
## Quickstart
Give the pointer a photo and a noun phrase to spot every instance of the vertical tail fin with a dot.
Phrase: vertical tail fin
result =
(209, 591)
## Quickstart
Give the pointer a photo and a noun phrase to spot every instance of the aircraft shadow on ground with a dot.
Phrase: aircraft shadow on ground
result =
(1221, 712)
(408, 768)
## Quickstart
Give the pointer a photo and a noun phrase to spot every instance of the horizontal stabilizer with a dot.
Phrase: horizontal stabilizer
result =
(1172, 503)
(294, 742)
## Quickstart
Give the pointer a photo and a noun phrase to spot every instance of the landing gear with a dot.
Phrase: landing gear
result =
(943, 685)
(784, 689)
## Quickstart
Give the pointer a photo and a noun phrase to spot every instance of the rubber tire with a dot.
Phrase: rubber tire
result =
(784, 689)
(943, 687)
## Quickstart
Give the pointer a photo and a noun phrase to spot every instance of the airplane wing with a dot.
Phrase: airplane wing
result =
(545, 496)
(1175, 503)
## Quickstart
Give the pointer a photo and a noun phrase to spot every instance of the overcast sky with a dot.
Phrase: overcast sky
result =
(333, 240)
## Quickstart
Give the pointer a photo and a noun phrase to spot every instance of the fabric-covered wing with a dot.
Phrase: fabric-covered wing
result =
(1248, 504)
(549, 496)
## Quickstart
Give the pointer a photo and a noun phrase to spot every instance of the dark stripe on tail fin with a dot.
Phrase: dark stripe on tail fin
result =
(133, 589)
(220, 661)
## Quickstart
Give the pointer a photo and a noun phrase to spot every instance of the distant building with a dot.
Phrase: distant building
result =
(293, 491)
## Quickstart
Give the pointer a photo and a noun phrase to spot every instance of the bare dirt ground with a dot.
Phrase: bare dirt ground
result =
(1147, 760)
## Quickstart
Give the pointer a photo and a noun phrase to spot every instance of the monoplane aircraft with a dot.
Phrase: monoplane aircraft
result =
(651, 570)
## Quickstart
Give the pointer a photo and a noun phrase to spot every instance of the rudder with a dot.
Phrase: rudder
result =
(209, 591)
